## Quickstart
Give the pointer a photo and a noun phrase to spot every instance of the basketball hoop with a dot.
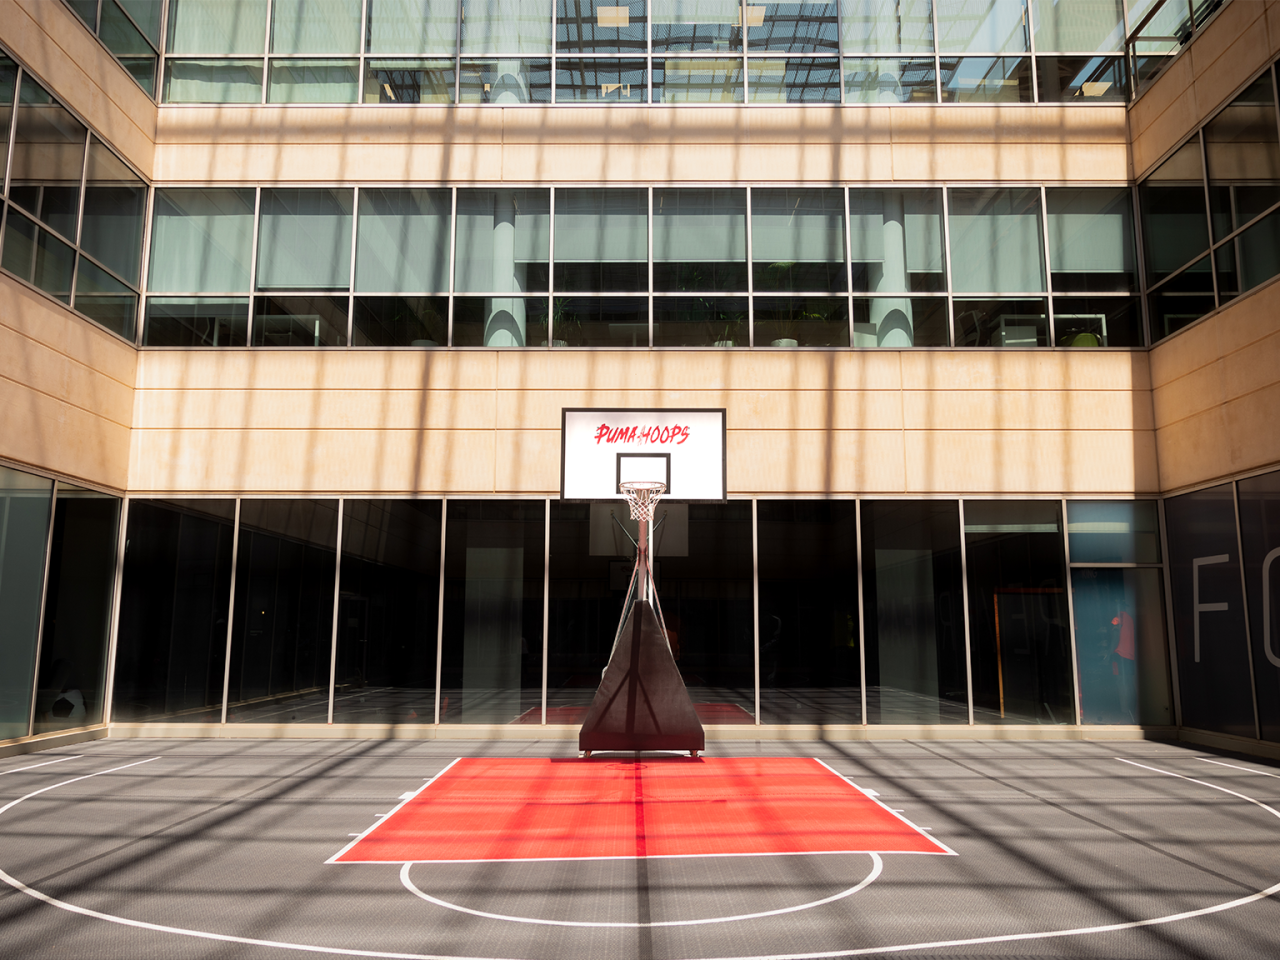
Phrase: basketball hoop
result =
(642, 496)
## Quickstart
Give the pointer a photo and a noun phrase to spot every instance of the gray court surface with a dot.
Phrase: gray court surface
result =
(201, 849)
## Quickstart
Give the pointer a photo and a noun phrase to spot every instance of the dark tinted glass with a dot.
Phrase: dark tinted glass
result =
(196, 322)
(401, 322)
(77, 610)
(801, 322)
(986, 80)
(48, 159)
(1097, 321)
(283, 623)
(700, 322)
(8, 78)
(1243, 151)
(1018, 627)
(115, 201)
(171, 652)
(601, 322)
(303, 321)
(492, 655)
(1184, 299)
(1082, 79)
(386, 668)
(1002, 323)
(809, 653)
(914, 612)
(900, 322)
(1175, 228)
(1208, 612)
(24, 505)
(103, 298)
(1260, 533)
(37, 256)
(500, 321)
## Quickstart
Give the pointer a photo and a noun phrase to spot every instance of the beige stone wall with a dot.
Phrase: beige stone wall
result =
(1216, 393)
(66, 390)
(640, 145)
(1242, 39)
(486, 422)
(55, 44)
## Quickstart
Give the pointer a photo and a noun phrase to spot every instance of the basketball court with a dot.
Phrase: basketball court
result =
(223, 848)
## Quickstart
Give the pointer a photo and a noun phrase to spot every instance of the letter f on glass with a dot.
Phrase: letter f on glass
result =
(1196, 606)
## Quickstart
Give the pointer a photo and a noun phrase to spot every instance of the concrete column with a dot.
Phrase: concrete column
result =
(891, 317)
(505, 319)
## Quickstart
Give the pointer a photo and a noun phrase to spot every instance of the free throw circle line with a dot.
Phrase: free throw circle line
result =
(877, 866)
(853, 952)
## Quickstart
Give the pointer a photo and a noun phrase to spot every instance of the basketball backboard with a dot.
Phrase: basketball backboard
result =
(602, 447)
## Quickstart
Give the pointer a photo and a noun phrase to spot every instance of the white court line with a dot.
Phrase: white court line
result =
(877, 865)
(1235, 767)
(34, 765)
(874, 797)
(381, 818)
(863, 951)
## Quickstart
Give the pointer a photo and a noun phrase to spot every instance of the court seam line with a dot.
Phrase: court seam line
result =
(380, 819)
(1237, 767)
(876, 800)
(877, 867)
(386, 955)
(5, 773)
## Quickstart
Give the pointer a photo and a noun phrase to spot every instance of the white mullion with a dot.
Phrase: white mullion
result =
(113, 629)
(337, 587)
(1047, 264)
(546, 600)
(453, 254)
(144, 264)
(351, 278)
(751, 267)
(231, 608)
(862, 616)
(1071, 617)
(755, 599)
(964, 600)
(946, 266)
(253, 265)
(444, 524)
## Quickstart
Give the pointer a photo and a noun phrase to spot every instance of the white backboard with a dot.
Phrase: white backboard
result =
(600, 447)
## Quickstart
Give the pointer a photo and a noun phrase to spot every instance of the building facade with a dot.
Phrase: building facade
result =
(294, 292)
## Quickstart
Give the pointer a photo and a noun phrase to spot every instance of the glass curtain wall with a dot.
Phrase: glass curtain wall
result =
(668, 51)
(24, 534)
(387, 612)
(810, 670)
(130, 29)
(1019, 632)
(1260, 535)
(282, 628)
(176, 587)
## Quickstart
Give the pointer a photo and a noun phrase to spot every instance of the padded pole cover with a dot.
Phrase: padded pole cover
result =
(642, 703)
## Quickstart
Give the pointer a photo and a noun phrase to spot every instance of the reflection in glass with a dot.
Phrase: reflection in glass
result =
(503, 246)
(699, 239)
(212, 81)
(499, 321)
(613, 26)
(24, 531)
(1113, 531)
(996, 243)
(1243, 152)
(315, 26)
(601, 322)
(914, 612)
(304, 239)
(900, 322)
(37, 256)
(124, 39)
(682, 25)
(491, 668)
(794, 80)
(809, 652)
(77, 609)
(282, 633)
(1214, 685)
(408, 81)
(1077, 79)
(386, 667)
(886, 80)
(1091, 239)
(602, 240)
(216, 26)
(697, 81)
(1121, 646)
(196, 322)
(1184, 299)
(1018, 612)
(1174, 227)
(1001, 323)
(402, 241)
(793, 27)
(1259, 258)
(171, 650)
(982, 26)
(313, 81)
(986, 80)
(115, 201)
(1260, 536)
(801, 322)
(1079, 26)
(700, 322)
(504, 81)
(410, 27)
(401, 322)
(1097, 321)
(201, 240)
(887, 26)
(147, 15)
(603, 80)
(896, 243)
(48, 157)
(798, 239)
(506, 26)
(105, 299)
(299, 321)
(8, 78)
